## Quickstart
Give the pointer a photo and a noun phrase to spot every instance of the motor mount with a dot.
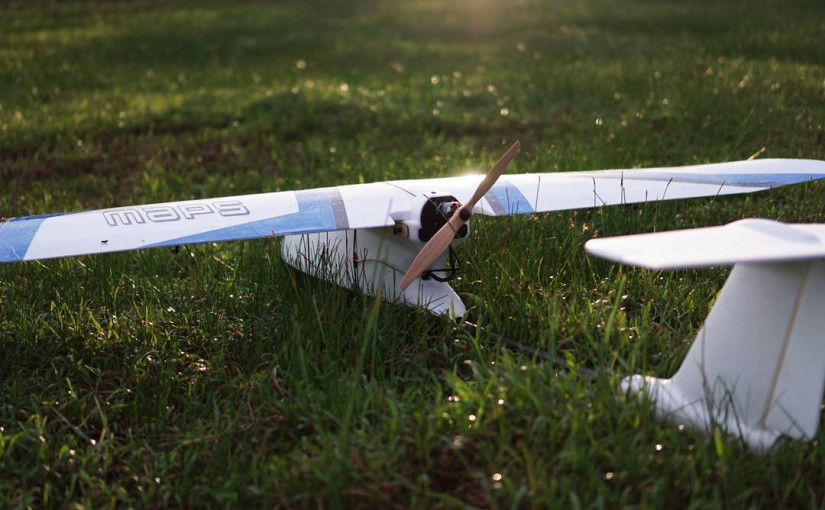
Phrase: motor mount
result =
(435, 212)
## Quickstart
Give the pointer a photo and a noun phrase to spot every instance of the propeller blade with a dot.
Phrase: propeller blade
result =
(442, 239)
(432, 250)
(493, 175)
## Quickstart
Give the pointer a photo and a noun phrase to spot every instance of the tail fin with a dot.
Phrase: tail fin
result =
(757, 366)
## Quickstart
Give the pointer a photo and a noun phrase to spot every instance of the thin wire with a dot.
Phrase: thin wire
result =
(515, 345)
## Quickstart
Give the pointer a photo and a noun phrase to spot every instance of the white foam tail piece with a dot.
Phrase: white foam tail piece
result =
(749, 240)
(757, 366)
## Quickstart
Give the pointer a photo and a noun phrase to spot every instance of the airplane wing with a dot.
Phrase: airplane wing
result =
(749, 240)
(529, 193)
(191, 222)
(374, 205)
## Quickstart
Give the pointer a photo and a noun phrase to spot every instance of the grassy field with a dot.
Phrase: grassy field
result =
(218, 377)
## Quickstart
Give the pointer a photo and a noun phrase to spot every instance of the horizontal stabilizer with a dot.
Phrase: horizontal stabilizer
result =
(749, 240)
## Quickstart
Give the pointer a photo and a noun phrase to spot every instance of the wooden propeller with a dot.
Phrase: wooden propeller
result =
(442, 239)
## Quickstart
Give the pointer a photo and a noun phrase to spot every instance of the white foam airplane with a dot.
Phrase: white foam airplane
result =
(391, 238)
(757, 366)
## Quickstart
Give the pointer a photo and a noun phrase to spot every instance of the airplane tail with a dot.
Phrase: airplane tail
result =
(757, 366)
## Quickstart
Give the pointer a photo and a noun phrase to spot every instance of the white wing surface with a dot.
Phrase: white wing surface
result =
(190, 222)
(750, 240)
(529, 193)
(375, 205)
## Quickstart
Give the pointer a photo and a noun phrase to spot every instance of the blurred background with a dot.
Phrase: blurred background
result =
(110, 99)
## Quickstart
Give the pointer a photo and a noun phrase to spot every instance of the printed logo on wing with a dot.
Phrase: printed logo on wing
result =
(166, 213)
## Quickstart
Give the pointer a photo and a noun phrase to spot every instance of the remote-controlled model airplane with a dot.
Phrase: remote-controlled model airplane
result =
(757, 366)
(394, 238)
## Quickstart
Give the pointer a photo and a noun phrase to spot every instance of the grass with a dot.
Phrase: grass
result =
(218, 377)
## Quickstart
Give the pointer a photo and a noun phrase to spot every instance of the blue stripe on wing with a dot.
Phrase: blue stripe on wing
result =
(315, 214)
(755, 180)
(16, 236)
(510, 199)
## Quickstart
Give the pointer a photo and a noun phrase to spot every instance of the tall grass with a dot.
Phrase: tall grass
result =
(216, 376)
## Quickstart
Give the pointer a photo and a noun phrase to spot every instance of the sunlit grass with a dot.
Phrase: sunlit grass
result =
(216, 376)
